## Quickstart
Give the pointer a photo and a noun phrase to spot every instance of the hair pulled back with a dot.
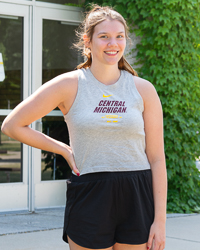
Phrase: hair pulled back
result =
(95, 16)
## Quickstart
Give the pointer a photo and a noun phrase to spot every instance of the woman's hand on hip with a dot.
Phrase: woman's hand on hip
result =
(69, 157)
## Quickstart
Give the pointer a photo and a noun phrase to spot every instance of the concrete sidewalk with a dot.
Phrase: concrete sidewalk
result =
(42, 230)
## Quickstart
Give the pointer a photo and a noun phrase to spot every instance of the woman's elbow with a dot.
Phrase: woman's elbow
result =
(6, 128)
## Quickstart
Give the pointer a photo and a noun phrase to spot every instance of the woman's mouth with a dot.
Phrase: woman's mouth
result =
(111, 53)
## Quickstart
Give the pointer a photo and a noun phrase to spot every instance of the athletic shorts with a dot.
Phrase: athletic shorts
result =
(108, 207)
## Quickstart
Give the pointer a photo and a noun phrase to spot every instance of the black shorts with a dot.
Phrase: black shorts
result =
(108, 207)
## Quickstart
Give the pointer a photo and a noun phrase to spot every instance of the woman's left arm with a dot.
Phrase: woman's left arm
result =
(153, 125)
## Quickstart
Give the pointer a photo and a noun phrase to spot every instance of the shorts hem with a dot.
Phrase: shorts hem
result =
(86, 246)
(132, 243)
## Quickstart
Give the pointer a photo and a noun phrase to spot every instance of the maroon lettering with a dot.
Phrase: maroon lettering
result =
(96, 110)
(114, 107)
(112, 103)
(124, 110)
(109, 110)
(115, 110)
(101, 109)
(104, 110)
(116, 103)
(108, 103)
(100, 103)
(104, 104)
(120, 110)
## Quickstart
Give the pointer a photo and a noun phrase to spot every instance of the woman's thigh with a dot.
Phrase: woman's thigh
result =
(74, 246)
(119, 246)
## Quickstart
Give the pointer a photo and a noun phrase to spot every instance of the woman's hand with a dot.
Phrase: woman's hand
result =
(156, 239)
(69, 157)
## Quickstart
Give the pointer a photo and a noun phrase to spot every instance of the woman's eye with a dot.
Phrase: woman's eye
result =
(104, 36)
(120, 36)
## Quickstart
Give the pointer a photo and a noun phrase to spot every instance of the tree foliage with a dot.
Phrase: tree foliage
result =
(169, 53)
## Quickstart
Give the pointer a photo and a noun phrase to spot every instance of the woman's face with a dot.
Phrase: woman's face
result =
(108, 42)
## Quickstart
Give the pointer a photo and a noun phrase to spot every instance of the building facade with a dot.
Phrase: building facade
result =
(36, 40)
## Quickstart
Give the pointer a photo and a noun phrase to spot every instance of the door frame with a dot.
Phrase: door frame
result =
(48, 193)
(18, 192)
(32, 193)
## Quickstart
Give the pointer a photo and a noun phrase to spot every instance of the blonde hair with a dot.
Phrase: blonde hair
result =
(95, 16)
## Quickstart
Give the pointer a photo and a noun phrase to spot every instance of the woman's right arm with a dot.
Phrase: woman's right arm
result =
(49, 96)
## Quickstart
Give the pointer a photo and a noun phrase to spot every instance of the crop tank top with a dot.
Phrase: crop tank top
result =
(106, 126)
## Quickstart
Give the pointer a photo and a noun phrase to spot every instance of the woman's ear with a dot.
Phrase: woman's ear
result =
(86, 40)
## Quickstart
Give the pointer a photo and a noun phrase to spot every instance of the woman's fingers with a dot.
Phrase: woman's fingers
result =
(76, 171)
(155, 245)
(71, 162)
(158, 245)
(150, 241)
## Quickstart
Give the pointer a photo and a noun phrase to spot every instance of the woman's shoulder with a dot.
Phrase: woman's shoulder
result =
(66, 78)
(63, 85)
(143, 84)
(71, 77)
(67, 86)
(144, 87)
(65, 82)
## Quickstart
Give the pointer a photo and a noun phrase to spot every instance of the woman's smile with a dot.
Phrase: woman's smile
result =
(111, 53)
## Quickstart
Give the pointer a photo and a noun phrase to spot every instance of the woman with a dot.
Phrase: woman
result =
(117, 195)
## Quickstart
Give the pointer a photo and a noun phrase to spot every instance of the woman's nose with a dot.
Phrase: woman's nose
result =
(112, 42)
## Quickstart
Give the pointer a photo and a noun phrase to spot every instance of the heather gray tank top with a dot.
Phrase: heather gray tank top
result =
(106, 126)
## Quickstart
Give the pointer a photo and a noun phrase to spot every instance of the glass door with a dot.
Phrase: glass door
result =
(55, 35)
(14, 22)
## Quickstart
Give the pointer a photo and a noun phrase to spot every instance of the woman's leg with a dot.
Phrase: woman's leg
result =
(74, 246)
(119, 246)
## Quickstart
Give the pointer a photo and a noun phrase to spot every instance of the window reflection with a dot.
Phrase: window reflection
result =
(10, 158)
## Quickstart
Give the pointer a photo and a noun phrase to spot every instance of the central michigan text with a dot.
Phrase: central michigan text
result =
(106, 106)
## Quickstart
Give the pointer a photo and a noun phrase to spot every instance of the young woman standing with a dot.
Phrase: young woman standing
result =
(117, 195)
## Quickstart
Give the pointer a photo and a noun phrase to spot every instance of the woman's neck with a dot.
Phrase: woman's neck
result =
(107, 75)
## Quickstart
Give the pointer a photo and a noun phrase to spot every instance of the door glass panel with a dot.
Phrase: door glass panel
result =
(58, 57)
(10, 158)
(54, 166)
(11, 45)
(11, 93)
(66, 2)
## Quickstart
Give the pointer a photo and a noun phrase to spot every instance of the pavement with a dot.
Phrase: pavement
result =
(42, 230)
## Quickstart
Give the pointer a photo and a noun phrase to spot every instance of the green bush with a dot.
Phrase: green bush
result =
(169, 53)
